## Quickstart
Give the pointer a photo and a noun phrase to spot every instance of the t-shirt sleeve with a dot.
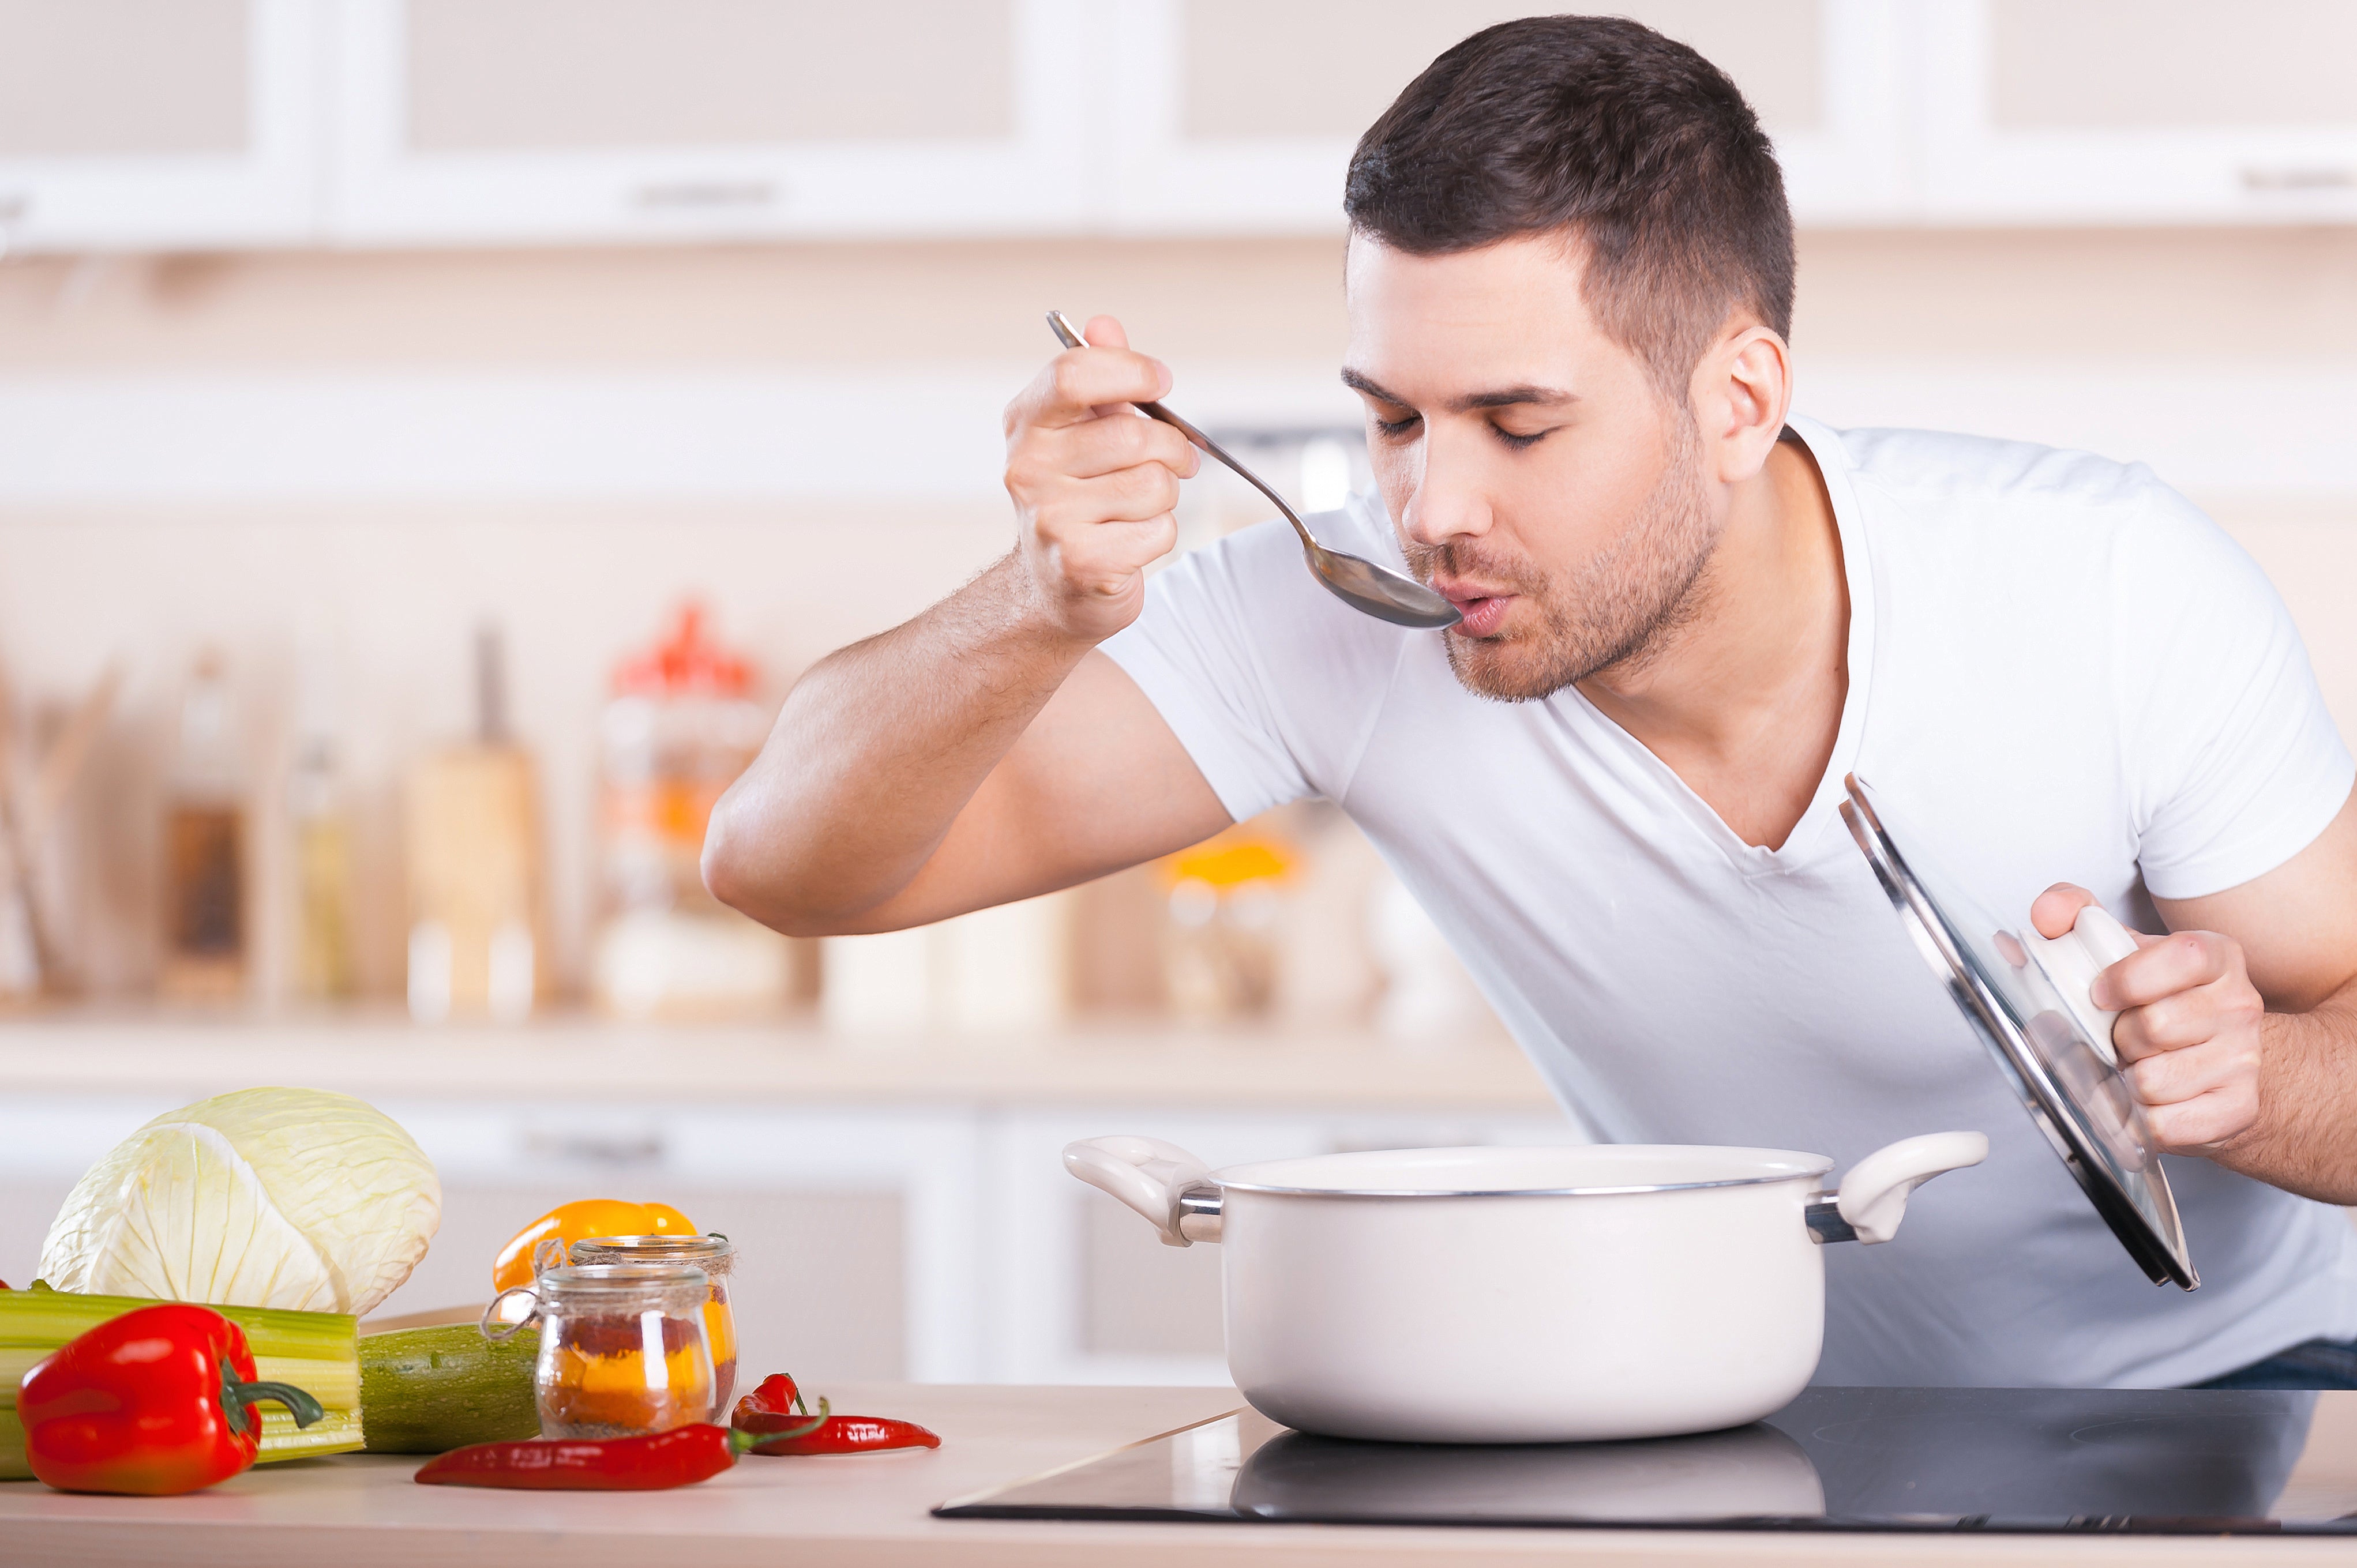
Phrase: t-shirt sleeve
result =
(1195, 651)
(2235, 763)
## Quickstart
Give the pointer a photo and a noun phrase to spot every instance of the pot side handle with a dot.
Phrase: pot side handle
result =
(1152, 1176)
(1873, 1196)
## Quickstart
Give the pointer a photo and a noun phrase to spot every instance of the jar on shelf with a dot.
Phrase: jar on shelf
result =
(1223, 944)
(716, 1256)
(680, 726)
(623, 1347)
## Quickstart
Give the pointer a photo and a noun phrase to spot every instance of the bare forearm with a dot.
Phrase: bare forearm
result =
(2305, 1137)
(877, 750)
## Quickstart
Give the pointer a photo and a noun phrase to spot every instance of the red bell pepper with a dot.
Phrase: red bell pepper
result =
(154, 1402)
(650, 1463)
(768, 1412)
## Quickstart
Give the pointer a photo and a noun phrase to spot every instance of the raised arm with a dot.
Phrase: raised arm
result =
(985, 751)
(2241, 1024)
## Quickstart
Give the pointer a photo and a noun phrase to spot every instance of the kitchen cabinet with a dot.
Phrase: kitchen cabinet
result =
(158, 124)
(899, 1213)
(2137, 110)
(1234, 115)
(548, 121)
(857, 1229)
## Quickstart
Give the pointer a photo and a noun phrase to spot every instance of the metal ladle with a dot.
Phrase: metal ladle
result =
(1364, 586)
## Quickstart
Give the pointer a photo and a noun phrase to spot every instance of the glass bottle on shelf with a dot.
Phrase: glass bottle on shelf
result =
(473, 847)
(679, 728)
(320, 825)
(205, 915)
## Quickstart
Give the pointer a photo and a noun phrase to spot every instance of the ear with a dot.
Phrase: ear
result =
(1742, 390)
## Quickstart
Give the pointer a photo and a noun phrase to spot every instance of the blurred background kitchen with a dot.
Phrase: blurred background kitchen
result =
(434, 434)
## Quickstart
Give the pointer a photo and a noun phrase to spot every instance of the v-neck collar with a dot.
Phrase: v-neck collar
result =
(1801, 845)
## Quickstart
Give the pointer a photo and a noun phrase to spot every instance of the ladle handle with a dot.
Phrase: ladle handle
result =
(1070, 336)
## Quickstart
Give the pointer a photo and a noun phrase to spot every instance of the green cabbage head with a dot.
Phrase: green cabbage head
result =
(288, 1198)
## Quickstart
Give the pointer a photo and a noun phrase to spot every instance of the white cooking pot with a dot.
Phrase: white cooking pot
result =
(1520, 1295)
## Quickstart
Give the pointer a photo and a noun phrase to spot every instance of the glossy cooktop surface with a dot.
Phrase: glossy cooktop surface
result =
(2162, 1461)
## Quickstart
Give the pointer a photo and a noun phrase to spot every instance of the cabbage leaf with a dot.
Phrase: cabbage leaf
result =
(288, 1198)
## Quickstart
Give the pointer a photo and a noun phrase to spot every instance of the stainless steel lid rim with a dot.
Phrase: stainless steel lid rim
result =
(1624, 1191)
(1571, 1170)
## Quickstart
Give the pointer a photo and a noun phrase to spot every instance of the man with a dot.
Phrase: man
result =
(1686, 618)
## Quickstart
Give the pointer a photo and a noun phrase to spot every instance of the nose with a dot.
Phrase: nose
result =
(1448, 500)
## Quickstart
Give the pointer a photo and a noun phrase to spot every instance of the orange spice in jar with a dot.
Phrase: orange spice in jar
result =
(623, 1349)
(716, 1256)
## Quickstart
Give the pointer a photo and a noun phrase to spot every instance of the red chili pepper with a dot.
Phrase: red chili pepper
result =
(835, 1434)
(650, 1463)
(768, 1413)
(154, 1402)
(776, 1396)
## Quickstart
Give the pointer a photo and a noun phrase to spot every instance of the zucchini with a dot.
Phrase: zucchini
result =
(427, 1390)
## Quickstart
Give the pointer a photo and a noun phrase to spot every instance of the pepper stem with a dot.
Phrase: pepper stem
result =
(239, 1398)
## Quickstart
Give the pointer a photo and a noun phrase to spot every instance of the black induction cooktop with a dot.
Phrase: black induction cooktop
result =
(2168, 1461)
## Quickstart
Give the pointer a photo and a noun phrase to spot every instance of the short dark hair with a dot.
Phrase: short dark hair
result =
(1600, 129)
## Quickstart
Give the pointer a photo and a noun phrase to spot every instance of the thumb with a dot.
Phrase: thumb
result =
(1104, 332)
(2056, 910)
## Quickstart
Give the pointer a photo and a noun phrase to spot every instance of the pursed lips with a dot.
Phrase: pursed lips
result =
(1483, 609)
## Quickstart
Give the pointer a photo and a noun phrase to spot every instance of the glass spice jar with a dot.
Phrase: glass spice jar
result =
(716, 1256)
(623, 1349)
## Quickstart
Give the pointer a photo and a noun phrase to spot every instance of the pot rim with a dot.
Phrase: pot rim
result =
(1813, 1168)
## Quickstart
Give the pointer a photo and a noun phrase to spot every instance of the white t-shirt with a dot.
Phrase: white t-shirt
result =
(2053, 658)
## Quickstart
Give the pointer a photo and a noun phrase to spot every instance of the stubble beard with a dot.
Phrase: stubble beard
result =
(1619, 612)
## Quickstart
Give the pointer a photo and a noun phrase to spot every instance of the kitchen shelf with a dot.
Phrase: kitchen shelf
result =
(583, 1059)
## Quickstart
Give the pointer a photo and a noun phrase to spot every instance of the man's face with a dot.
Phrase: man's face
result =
(1534, 473)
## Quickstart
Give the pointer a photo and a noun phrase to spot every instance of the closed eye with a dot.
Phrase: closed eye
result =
(1518, 441)
(1393, 429)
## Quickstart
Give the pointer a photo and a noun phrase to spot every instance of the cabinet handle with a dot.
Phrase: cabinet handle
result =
(2268, 178)
(14, 206)
(614, 1152)
(689, 195)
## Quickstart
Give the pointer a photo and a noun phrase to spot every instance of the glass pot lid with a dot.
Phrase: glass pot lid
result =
(2066, 1078)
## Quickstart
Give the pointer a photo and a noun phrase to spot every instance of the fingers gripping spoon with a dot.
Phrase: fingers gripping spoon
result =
(1371, 589)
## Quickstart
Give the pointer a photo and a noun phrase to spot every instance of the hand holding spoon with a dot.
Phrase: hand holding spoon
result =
(1371, 589)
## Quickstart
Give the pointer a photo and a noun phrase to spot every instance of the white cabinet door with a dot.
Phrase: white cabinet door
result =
(2140, 111)
(1238, 115)
(472, 121)
(857, 1229)
(157, 125)
(1082, 1291)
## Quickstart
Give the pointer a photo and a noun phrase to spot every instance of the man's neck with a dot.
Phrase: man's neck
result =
(1743, 699)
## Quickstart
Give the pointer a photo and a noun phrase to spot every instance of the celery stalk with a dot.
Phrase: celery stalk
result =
(336, 1384)
(318, 1352)
(12, 1449)
(338, 1432)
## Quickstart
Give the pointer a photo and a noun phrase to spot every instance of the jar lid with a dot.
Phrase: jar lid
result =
(713, 1253)
(615, 1285)
(2065, 1078)
(688, 661)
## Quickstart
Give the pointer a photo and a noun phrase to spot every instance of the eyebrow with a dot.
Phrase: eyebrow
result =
(1504, 397)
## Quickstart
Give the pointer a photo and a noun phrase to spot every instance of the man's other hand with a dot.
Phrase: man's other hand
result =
(2190, 1029)
(1094, 483)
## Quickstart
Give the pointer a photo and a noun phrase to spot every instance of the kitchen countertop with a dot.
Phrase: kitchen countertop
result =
(583, 1059)
(362, 1511)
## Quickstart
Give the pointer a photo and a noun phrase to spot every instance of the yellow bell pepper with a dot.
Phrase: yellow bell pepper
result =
(579, 1220)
